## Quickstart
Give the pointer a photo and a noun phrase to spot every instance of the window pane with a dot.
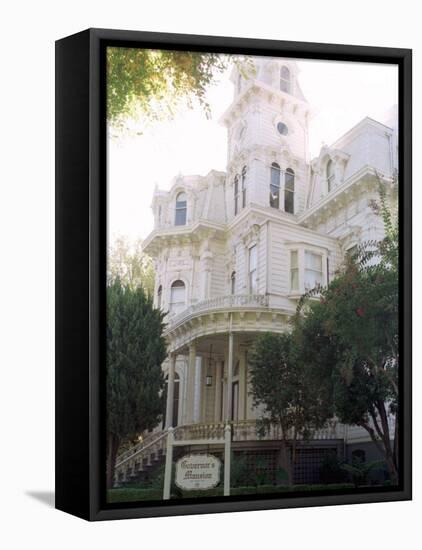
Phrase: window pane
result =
(275, 175)
(312, 279)
(294, 279)
(289, 202)
(289, 180)
(177, 296)
(293, 259)
(313, 261)
(289, 188)
(180, 216)
(274, 197)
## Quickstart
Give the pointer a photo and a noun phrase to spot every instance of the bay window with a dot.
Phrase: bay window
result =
(308, 269)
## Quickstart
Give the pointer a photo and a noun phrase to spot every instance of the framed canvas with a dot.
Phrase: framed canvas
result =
(233, 274)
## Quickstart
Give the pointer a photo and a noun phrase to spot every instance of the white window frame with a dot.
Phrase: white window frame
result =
(180, 306)
(301, 249)
(312, 270)
(178, 209)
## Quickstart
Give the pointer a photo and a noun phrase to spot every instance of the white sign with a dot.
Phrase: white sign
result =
(197, 471)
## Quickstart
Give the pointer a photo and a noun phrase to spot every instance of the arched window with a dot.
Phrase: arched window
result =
(181, 209)
(177, 296)
(236, 195)
(233, 283)
(244, 170)
(289, 191)
(285, 79)
(275, 186)
(159, 296)
(330, 175)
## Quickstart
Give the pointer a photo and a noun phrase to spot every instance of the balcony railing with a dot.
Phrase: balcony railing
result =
(219, 302)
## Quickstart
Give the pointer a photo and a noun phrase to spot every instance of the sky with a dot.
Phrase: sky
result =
(340, 95)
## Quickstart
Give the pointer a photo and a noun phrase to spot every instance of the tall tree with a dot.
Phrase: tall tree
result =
(127, 261)
(349, 338)
(153, 84)
(280, 384)
(135, 352)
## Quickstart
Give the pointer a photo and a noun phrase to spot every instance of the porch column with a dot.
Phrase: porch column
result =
(190, 397)
(242, 385)
(204, 390)
(170, 391)
(217, 398)
(229, 379)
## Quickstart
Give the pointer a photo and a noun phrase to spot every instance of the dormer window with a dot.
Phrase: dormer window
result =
(275, 186)
(330, 175)
(181, 209)
(285, 80)
(289, 191)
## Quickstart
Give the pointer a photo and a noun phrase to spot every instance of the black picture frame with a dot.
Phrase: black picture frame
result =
(81, 263)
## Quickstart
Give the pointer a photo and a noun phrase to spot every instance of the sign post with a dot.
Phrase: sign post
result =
(227, 457)
(169, 461)
(197, 471)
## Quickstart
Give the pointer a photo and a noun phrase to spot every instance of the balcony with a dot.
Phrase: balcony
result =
(236, 301)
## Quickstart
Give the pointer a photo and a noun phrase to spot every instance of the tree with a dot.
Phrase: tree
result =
(349, 338)
(281, 385)
(135, 352)
(127, 261)
(152, 84)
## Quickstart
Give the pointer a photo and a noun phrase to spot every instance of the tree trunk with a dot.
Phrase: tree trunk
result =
(285, 462)
(112, 448)
(385, 450)
(389, 454)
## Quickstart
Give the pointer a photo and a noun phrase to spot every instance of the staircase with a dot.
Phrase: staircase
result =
(141, 462)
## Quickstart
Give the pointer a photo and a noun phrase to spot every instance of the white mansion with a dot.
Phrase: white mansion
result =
(234, 251)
